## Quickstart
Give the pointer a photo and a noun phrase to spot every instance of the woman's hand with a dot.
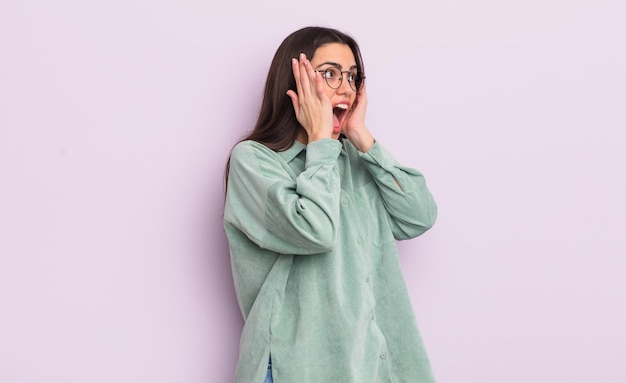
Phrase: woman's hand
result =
(354, 126)
(312, 106)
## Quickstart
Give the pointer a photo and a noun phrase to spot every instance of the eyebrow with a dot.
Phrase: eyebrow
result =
(337, 65)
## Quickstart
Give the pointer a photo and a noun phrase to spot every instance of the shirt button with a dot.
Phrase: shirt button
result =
(359, 241)
(383, 355)
(372, 317)
(344, 202)
(368, 280)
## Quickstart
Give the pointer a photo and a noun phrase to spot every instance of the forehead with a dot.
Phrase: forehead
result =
(334, 53)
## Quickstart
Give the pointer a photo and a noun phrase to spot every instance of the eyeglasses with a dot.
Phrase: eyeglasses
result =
(334, 78)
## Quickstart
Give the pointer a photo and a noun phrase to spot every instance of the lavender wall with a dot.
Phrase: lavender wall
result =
(116, 118)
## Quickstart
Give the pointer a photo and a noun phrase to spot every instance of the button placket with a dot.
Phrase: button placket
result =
(345, 201)
(371, 298)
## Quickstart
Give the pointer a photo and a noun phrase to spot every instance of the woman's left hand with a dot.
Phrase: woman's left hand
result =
(354, 125)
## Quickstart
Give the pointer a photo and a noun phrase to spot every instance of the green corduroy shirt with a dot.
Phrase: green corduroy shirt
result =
(312, 233)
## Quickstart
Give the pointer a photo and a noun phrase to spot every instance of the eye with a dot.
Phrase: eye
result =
(353, 76)
(332, 74)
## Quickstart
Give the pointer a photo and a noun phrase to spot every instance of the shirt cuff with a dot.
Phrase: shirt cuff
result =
(322, 152)
(378, 155)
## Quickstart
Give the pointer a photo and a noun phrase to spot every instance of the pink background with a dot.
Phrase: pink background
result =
(116, 118)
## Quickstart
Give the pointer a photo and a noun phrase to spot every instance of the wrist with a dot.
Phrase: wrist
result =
(316, 137)
(363, 142)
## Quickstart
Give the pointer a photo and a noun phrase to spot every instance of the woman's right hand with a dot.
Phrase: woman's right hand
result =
(312, 106)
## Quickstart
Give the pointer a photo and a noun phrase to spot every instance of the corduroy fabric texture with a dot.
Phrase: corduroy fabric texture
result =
(312, 233)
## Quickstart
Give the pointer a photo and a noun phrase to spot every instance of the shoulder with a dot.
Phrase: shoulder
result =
(247, 150)
(252, 156)
(249, 146)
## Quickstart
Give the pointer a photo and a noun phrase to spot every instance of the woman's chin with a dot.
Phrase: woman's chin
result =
(336, 132)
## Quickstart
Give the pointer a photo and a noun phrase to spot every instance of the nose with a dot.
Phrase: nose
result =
(345, 87)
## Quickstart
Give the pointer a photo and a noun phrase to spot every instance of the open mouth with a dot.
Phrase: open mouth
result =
(339, 111)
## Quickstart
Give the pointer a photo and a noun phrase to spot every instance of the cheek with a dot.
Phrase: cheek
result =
(329, 91)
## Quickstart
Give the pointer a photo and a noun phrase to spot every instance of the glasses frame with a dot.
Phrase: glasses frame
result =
(352, 84)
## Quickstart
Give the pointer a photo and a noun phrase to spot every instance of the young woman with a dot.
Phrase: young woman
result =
(314, 206)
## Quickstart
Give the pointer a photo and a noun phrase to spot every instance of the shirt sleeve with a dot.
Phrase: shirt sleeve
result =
(409, 204)
(277, 211)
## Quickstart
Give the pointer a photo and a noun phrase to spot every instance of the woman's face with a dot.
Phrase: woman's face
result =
(339, 56)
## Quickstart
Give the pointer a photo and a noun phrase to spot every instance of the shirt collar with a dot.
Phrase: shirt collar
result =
(293, 151)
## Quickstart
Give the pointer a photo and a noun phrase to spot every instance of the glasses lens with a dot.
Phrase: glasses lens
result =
(353, 79)
(356, 80)
(333, 77)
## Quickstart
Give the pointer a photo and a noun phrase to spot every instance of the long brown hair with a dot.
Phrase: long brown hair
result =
(277, 126)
